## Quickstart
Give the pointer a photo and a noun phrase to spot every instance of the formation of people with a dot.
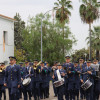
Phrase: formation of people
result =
(71, 81)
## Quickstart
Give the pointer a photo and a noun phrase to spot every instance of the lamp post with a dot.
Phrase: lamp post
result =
(42, 33)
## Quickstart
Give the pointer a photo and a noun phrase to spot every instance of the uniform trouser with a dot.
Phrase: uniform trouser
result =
(13, 96)
(76, 90)
(2, 91)
(55, 90)
(69, 90)
(60, 92)
(89, 93)
(66, 92)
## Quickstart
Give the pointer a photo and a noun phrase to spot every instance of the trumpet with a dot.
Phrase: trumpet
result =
(2, 68)
(35, 66)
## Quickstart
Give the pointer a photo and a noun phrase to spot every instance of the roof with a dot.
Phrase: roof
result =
(6, 17)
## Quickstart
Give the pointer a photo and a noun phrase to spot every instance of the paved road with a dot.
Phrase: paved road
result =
(50, 98)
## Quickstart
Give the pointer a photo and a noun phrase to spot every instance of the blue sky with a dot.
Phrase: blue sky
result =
(33, 7)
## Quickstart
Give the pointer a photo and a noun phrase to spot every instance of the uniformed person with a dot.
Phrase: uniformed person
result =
(12, 78)
(59, 77)
(37, 80)
(77, 73)
(21, 87)
(28, 72)
(54, 67)
(96, 66)
(2, 76)
(82, 65)
(48, 78)
(69, 67)
(88, 73)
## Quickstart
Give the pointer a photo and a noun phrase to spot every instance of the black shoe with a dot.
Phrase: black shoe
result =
(55, 96)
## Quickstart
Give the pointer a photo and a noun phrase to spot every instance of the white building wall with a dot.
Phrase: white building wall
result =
(6, 25)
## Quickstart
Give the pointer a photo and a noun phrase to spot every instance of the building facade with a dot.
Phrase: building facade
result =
(6, 38)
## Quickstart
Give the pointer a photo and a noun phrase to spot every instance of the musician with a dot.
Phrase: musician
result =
(2, 76)
(82, 65)
(48, 78)
(60, 89)
(28, 72)
(88, 73)
(12, 79)
(96, 66)
(37, 80)
(77, 73)
(69, 67)
(21, 87)
(53, 80)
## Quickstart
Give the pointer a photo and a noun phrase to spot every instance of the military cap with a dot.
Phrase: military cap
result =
(76, 62)
(59, 64)
(42, 62)
(12, 58)
(2, 63)
(21, 63)
(55, 62)
(88, 61)
(67, 57)
(35, 60)
(26, 61)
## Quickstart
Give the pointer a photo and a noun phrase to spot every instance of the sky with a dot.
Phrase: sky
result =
(28, 8)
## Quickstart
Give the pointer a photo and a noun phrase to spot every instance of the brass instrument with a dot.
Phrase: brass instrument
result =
(2, 68)
(35, 66)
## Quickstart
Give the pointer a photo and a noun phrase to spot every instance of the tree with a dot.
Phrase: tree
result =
(80, 53)
(95, 39)
(19, 25)
(62, 8)
(52, 39)
(89, 12)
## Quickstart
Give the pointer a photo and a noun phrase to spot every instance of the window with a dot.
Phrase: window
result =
(5, 37)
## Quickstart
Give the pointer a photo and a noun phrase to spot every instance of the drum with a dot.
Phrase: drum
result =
(26, 81)
(58, 83)
(86, 85)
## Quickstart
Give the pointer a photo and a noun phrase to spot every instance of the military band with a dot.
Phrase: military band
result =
(31, 80)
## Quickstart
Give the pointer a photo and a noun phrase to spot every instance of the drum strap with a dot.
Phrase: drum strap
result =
(30, 70)
(58, 75)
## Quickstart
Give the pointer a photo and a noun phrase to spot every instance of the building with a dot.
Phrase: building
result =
(6, 38)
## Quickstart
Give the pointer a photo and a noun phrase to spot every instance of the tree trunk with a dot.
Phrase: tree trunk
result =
(97, 54)
(63, 39)
(90, 52)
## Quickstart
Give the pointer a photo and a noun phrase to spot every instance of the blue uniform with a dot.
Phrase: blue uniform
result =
(82, 92)
(13, 79)
(21, 87)
(86, 76)
(2, 88)
(77, 73)
(60, 89)
(28, 88)
(37, 82)
(69, 81)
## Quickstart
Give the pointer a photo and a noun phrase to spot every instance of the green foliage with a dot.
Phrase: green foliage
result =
(52, 39)
(95, 39)
(19, 25)
(80, 53)
(89, 11)
(19, 54)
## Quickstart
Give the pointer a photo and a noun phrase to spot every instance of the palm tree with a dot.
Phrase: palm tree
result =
(62, 8)
(89, 12)
(95, 39)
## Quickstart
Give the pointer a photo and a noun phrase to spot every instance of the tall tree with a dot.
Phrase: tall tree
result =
(95, 39)
(62, 8)
(19, 26)
(52, 39)
(89, 12)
